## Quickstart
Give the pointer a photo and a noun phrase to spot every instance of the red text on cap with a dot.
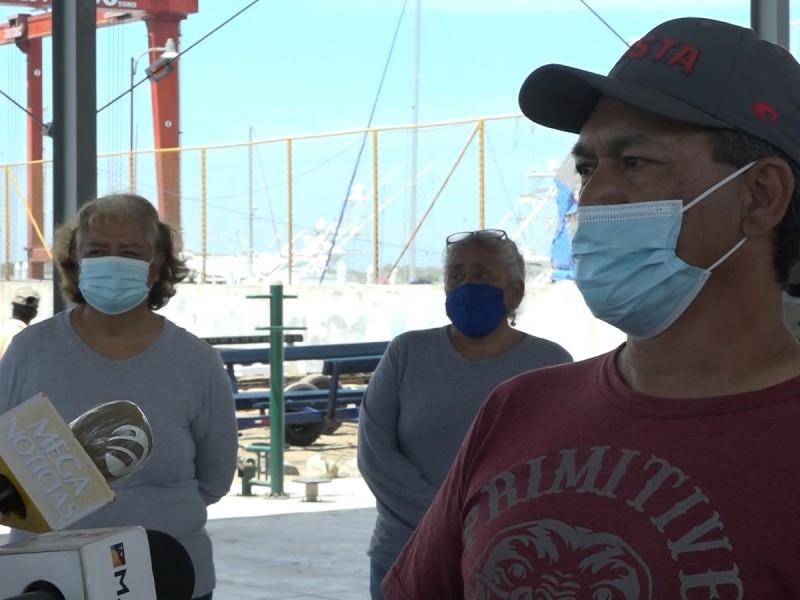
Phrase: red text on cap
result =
(665, 50)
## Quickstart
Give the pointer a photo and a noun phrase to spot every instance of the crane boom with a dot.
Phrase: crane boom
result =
(26, 30)
(153, 7)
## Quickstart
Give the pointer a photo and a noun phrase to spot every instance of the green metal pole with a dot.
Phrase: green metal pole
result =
(276, 408)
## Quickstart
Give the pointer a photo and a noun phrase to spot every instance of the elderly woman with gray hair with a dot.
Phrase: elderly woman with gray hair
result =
(430, 383)
(119, 264)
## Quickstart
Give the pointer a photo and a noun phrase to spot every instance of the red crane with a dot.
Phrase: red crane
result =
(162, 18)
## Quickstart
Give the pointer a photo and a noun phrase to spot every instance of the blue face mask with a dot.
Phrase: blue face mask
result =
(476, 309)
(626, 265)
(114, 284)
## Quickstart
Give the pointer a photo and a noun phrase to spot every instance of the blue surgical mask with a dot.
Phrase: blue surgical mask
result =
(114, 284)
(476, 309)
(626, 265)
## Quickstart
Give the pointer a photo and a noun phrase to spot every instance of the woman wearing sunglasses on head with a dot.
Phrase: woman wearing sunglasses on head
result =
(430, 383)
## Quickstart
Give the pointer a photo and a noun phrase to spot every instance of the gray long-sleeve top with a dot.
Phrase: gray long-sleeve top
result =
(418, 406)
(180, 384)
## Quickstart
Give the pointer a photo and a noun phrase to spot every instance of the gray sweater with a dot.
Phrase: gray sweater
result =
(180, 384)
(418, 406)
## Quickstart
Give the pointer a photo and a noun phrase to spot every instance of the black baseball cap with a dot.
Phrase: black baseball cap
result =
(691, 70)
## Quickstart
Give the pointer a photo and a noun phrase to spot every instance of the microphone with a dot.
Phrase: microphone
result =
(97, 564)
(39, 590)
(173, 570)
(52, 474)
(116, 436)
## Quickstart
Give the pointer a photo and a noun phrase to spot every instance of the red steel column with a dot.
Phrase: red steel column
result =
(166, 122)
(37, 255)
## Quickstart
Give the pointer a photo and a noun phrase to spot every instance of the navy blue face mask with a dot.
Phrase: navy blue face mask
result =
(476, 309)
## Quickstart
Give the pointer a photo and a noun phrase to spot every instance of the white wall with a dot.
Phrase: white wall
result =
(356, 313)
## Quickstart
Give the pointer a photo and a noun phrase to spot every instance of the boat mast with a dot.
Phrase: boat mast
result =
(412, 266)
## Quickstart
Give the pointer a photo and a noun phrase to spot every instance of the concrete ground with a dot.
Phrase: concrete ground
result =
(275, 549)
(286, 548)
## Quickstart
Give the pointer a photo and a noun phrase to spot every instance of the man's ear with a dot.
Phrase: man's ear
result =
(771, 185)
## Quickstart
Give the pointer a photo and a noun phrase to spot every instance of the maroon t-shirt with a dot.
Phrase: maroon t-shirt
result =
(571, 483)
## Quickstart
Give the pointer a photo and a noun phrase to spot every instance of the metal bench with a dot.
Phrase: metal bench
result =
(256, 472)
(307, 411)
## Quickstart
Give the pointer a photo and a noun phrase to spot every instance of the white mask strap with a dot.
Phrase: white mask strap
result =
(715, 187)
(727, 254)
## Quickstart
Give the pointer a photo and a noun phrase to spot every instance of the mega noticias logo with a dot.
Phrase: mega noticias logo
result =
(118, 563)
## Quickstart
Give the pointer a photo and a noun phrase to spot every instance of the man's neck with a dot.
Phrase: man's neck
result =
(713, 362)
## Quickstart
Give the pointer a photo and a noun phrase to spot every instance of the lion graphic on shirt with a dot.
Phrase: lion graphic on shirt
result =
(551, 560)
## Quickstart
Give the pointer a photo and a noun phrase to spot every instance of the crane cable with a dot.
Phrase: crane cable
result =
(604, 22)
(137, 84)
(180, 53)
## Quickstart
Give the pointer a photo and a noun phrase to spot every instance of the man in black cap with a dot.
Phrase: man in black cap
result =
(668, 467)
(24, 308)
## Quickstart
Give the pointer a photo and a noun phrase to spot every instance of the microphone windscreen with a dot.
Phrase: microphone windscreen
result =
(117, 437)
(46, 469)
(37, 595)
(173, 571)
(42, 590)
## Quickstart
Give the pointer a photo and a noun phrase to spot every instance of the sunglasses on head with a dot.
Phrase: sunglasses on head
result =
(481, 234)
